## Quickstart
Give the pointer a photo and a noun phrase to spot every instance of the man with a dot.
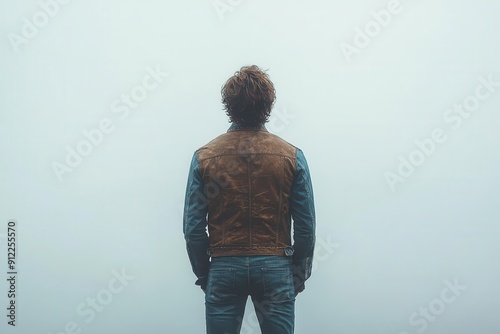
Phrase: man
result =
(246, 186)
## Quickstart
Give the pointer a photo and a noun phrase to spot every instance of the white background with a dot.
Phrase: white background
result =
(383, 255)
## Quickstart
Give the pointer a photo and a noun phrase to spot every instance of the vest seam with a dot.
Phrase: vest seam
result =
(249, 203)
(280, 202)
(225, 154)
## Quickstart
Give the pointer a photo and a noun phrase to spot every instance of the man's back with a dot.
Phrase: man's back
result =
(247, 186)
(249, 174)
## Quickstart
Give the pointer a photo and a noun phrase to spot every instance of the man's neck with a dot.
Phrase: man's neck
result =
(238, 127)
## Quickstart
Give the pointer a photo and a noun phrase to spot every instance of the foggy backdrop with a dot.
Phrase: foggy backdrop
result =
(394, 103)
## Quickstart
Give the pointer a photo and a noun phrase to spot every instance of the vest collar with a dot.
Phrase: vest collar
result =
(240, 127)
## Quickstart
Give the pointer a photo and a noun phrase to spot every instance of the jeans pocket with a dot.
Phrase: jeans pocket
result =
(221, 285)
(278, 283)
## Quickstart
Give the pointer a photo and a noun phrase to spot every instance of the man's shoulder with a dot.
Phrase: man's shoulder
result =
(209, 149)
(224, 141)
(212, 142)
(283, 141)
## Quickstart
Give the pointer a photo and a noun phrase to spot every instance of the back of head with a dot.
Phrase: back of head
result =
(248, 96)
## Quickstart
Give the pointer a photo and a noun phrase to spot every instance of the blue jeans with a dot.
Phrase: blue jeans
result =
(268, 280)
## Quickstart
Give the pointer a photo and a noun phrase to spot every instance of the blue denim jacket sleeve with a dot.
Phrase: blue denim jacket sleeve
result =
(304, 221)
(195, 223)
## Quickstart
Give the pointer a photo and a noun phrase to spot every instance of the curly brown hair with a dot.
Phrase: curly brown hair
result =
(248, 96)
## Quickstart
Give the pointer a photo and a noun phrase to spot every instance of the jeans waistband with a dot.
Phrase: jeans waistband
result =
(252, 259)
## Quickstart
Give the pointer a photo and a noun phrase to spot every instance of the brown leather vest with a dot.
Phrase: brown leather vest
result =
(247, 176)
